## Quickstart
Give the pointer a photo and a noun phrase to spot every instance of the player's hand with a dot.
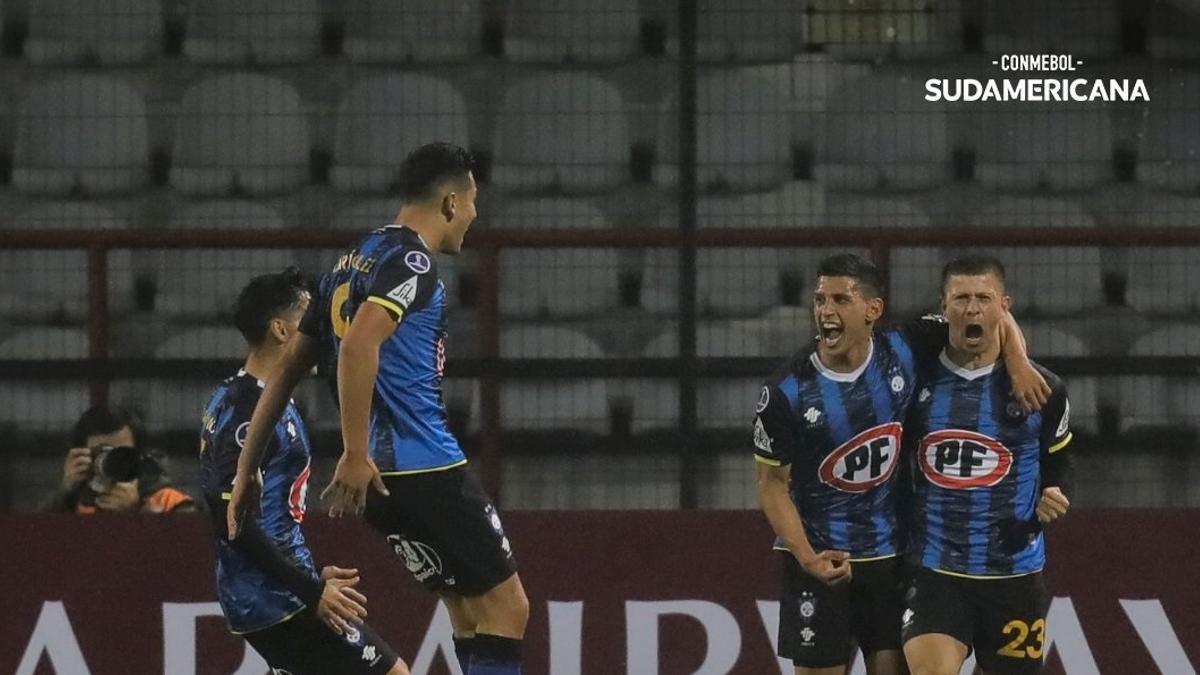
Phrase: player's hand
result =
(335, 572)
(1029, 388)
(76, 468)
(341, 607)
(122, 496)
(1053, 505)
(831, 567)
(245, 499)
(347, 492)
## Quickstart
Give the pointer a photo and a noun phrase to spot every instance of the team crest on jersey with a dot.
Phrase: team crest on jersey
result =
(957, 459)
(764, 399)
(1013, 410)
(897, 384)
(239, 434)
(863, 462)
(808, 606)
(417, 262)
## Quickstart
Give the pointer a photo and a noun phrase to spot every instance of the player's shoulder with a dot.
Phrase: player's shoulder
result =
(1052, 379)
(242, 394)
(403, 247)
(796, 368)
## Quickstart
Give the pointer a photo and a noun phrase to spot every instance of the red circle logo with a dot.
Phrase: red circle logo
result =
(957, 459)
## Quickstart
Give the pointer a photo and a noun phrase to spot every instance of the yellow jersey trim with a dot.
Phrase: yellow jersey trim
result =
(1062, 444)
(416, 471)
(983, 577)
(387, 304)
(227, 496)
(289, 617)
(769, 462)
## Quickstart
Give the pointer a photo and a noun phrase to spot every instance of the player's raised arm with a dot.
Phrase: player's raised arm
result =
(774, 450)
(358, 366)
(299, 358)
(1029, 387)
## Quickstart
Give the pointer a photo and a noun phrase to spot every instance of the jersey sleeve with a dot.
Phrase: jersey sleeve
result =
(404, 283)
(1056, 437)
(775, 441)
(926, 336)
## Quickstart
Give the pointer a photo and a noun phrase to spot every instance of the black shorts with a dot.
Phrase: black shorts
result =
(820, 625)
(444, 527)
(1003, 620)
(304, 645)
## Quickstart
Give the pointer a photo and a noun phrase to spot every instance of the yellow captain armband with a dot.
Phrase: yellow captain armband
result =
(769, 462)
(1061, 444)
(392, 307)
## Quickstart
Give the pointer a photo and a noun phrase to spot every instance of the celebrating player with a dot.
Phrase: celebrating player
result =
(269, 590)
(379, 325)
(829, 425)
(988, 475)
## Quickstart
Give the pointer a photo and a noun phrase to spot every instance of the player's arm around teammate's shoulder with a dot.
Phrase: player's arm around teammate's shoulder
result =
(775, 448)
(299, 358)
(1029, 388)
(1055, 459)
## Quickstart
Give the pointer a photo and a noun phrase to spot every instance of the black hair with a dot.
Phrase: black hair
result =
(973, 265)
(265, 298)
(107, 419)
(866, 274)
(428, 167)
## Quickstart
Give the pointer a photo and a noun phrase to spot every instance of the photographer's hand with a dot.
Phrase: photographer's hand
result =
(122, 496)
(76, 468)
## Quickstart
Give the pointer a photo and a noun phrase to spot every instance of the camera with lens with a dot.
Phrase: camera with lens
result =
(114, 465)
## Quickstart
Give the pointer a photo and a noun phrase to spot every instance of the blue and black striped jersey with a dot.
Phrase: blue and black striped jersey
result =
(977, 476)
(251, 597)
(393, 268)
(841, 434)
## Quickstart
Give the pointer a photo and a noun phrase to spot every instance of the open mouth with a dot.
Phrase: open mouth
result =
(831, 333)
(973, 333)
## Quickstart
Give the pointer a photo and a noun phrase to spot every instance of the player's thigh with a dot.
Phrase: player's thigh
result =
(936, 626)
(814, 621)
(304, 645)
(462, 617)
(887, 662)
(834, 670)
(1010, 627)
(877, 605)
(935, 654)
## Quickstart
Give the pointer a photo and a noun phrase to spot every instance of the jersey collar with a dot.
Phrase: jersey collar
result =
(965, 373)
(242, 373)
(402, 226)
(843, 377)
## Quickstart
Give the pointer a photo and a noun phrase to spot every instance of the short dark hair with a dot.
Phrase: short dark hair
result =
(973, 265)
(107, 419)
(429, 166)
(265, 298)
(866, 274)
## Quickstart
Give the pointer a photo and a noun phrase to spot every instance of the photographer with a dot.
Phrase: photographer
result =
(108, 468)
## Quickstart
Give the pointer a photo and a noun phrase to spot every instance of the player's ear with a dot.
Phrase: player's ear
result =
(874, 309)
(1006, 303)
(449, 206)
(279, 330)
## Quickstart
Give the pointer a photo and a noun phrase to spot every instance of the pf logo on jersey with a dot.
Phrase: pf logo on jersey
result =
(957, 459)
(864, 461)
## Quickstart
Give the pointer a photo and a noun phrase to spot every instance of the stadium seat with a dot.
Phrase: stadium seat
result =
(740, 281)
(906, 29)
(558, 282)
(383, 118)
(575, 30)
(721, 403)
(744, 30)
(43, 284)
(1163, 280)
(1165, 210)
(233, 31)
(562, 130)
(417, 30)
(49, 405)
(796, 204)
(553, 403)
(743, 134)
(880, 132)
(240, 131)
(1048, 278)
(1169, 154)
(843, 210)
(81, 133)
(179, 404)
(1025, 147)
(228, 214)
(1044, 340)
(1162, 400)
(1036, 27)
(111, 32)
(1171, 31)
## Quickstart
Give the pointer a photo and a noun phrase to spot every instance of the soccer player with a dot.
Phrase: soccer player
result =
(378, 323)
(299, 621)
(828, 431)
(987, 475)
